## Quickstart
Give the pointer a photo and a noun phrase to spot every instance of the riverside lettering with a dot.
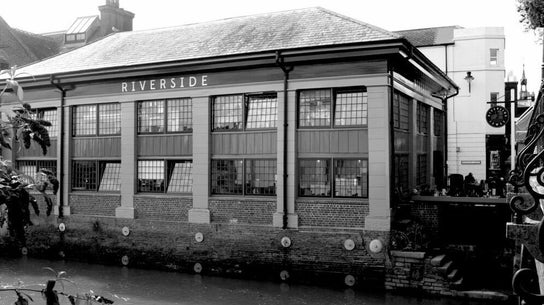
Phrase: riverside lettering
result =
(165, 83)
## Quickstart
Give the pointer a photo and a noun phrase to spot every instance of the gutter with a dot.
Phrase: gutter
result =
(280, 62)
(60, 166)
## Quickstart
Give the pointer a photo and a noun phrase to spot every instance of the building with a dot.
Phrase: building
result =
(275, 140)
(474, 59)
(18, 47)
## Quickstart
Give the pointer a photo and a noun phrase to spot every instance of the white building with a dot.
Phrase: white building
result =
(474, 59)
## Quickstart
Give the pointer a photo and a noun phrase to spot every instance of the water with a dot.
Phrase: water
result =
(147, 287)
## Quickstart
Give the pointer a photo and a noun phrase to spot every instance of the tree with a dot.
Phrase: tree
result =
(532, 13)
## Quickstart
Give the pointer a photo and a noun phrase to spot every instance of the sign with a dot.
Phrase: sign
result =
(497, 116)
(494, 160)
(164, 83)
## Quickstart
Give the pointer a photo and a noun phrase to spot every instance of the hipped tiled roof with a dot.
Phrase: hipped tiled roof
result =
(310, 27)
(430, 36)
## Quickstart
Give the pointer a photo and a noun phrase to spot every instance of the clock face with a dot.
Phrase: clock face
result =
(497, 116)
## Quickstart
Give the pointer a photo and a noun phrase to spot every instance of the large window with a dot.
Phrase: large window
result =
(244, 177)
(92, 120)
(243, 112)
(102, 176)
(422, 118)
(169, 115)
(438, 122)
(30, 168)
(401, 111)
(49, 115)
(332, 107)
(333, 178)
(165, 176)
(401, 173)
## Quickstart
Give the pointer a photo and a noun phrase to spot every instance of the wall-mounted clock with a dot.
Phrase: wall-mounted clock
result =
(497, 116)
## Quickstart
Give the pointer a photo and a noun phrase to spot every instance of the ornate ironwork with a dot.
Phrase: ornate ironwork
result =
(528, 191)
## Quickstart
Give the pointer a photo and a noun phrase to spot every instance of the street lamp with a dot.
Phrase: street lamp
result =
(469, 78)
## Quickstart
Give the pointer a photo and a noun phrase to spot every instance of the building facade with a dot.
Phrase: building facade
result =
(474, 59)
(278, 139)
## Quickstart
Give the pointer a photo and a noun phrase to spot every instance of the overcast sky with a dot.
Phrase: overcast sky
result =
(40, 16)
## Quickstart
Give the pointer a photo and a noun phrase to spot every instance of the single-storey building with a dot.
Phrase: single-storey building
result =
(275, 141)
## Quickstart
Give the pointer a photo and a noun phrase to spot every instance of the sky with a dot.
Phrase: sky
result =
(522, 47)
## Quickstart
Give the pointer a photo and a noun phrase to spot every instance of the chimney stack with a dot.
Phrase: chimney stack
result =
(113, 18)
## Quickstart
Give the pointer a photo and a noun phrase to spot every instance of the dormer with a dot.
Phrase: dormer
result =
(81, 30)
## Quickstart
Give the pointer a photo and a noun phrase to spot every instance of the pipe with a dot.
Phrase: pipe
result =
(60, 166)
(445, 102)
(392, 135)
(281, 63)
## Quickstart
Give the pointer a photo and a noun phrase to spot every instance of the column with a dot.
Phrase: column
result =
(128, 160)
(292, 217)
(379, 153)
(201, 161)
(64, 156)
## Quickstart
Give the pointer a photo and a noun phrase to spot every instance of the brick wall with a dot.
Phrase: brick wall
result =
(242, 211)
(162, 208)
(227, 249)
(348, 214)
(94, 204)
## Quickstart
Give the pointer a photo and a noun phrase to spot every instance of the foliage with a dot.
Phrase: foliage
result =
(51, 296)
(532, 13)
(412, 237)
(14, 196)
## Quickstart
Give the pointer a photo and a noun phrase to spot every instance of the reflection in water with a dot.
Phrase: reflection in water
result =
(145, 287)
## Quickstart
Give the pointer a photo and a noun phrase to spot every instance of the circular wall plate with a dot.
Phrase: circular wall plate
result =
(285, 242)
(349, 244)
(199, 237)
(125, 231)
(24, 251)
(124, 260)
(62, 227)
(284, 275)
(197, 267)
(349, 280)
(375, 246)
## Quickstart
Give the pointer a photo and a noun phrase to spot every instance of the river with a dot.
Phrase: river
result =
(148, 287)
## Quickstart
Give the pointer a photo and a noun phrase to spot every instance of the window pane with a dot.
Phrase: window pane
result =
(421, 169)
(151, 176)
(181, 178)
(28, 168)
(314, 178)
(227, 112)
(180, 115)
(493, 56)
(262, 111)
(438, 122)
(422, 118)
(110, 177)
(109, 119)
(351, 178)
(84, 175)
(351, 108)
(151, 116)
(401, 173)
(84, 120)
(227, 176)
(50, 115)
(314, 108)
(260, 177)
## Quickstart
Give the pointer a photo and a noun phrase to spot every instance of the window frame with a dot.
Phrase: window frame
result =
(244, 184)
(331, 177)
(96, 123)
(493, 58)
(422, 118)
(38, 164)
(245, 115)
(333, 113)
(422, 174)
(168, 166)
(99, 168)
(165, 116)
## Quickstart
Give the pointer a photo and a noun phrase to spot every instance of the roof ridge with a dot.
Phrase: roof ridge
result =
(377, 28)
(430, 28)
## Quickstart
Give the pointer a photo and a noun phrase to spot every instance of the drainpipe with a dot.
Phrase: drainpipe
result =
(60, 166)
(391, 135)
(445, 102)
(280, 63)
